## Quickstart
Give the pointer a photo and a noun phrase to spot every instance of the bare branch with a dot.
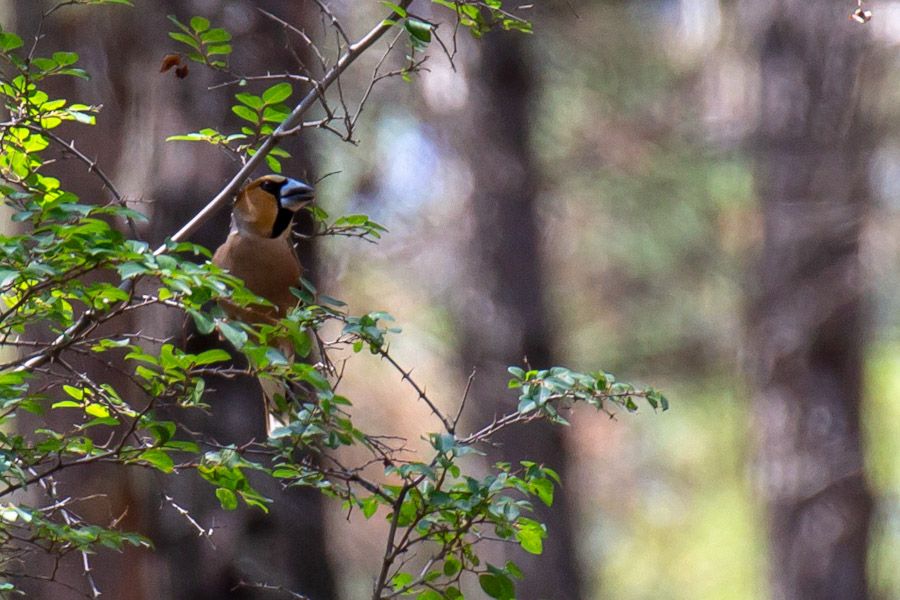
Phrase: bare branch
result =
(268, 77)
(267, 587)
(462, 404)
(299, 32)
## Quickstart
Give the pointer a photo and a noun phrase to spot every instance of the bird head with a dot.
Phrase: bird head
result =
(265, 206)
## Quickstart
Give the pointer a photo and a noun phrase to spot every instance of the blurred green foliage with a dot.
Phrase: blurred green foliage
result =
(881, 421)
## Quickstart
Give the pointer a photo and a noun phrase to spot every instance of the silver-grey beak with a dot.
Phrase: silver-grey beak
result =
(295, 194)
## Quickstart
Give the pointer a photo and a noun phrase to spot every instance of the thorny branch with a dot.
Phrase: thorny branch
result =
(406, 376)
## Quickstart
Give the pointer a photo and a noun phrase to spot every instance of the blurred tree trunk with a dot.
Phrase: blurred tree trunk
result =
(809, 320)
(122, 48)
(505, 319)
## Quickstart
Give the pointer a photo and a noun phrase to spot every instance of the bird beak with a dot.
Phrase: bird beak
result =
(295, 194)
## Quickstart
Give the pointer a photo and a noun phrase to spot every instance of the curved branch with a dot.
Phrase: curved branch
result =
(290, 123)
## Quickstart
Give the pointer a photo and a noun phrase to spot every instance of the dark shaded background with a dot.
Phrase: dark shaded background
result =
(696, 194)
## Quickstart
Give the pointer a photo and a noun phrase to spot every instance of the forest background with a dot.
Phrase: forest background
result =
(695, 194)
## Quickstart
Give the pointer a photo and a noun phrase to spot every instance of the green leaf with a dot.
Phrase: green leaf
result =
(130, 269)
(516, 372)
(96, 410)
(254, 499)
(452, 566)
(273, 163)
(80, 117)
(212, 356)
(7, 276)
(218, 49)
(188, 137)
(66, 404)
(227, 498)
(514, 570)
(544, 489)
(65, 59)
(162, 431)
(245, 113)
(9, 41)
(77, 393)
(285, 473)
(530, 536)
(278, 93)
(215, 36)
(497, 586)
(325, 299)
(401, 580)
(369, 506)
(399, 10)
(235, 336)
(184, 39)
(183, 446)
(419, 30)
(275, 357)
(199, 24)
(158, 459)
(276, 114)
(203, 322)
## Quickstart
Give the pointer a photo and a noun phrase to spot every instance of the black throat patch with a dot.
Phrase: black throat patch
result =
(282, 221)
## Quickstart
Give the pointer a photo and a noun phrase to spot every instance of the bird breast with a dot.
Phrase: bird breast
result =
(269, 267)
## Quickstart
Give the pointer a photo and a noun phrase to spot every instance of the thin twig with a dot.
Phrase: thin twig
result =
(462, 404)
(268, 77)
(302, 34)
(267, 587)
(334, 21)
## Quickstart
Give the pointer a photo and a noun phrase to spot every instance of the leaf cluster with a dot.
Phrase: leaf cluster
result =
(69, 277)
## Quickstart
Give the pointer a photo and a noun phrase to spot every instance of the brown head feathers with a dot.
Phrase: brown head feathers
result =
(265, 206)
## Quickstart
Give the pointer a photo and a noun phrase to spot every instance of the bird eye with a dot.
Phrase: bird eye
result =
(271, 187)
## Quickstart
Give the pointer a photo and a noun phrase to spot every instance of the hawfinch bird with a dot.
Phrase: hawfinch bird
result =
(259, 251)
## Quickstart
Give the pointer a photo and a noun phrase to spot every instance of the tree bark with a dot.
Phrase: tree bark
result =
(808, 324)
(505, 319)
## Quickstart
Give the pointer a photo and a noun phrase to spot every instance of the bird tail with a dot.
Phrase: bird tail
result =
(280, 395)
(275, 396)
